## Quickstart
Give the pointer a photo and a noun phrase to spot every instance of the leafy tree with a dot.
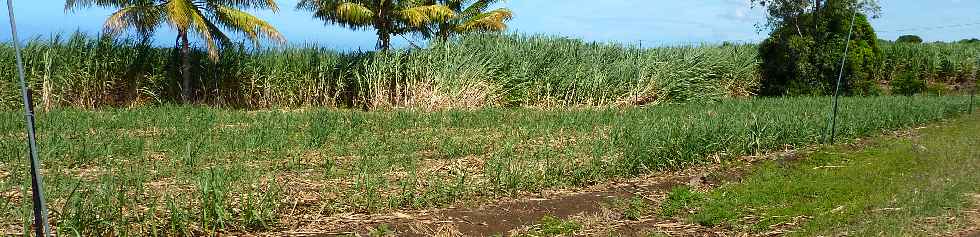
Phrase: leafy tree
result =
(908, 83)
(386, 17)
(798, 63)
(203, 18)
(788, 12)
(969, 41)
(912, 39)
(470, 16)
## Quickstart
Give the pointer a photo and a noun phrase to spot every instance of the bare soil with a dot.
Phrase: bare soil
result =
(510, 216)
(513, 216)
(973, 216)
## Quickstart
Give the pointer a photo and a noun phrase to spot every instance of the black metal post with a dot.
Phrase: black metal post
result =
(973, 94)
(840, 76)
(41, 228)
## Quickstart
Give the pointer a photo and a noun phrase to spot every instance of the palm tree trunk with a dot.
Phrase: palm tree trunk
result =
(443, 33)
(444, 37)
(186, 92)
(384, 40)
(383, 25)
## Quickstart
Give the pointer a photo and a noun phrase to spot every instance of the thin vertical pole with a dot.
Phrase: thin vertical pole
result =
(840, 76)
(973, 94)
(41, 228)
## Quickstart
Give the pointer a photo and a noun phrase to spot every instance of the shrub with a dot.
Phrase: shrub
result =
(794, 63)
(908, 83)
(911, 39)
(969, 41)
(938, 89)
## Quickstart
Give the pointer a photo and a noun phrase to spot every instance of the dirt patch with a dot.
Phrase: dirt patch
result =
(973, 219)
(501, 218)
(588, 206)
(508, 216)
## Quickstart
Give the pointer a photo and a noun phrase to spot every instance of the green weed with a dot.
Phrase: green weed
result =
(633, 208)
(553, 226)
(679, 199)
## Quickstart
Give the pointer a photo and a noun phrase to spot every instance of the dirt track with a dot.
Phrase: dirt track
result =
(589, 206)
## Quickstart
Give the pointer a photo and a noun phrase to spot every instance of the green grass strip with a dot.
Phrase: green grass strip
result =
(898, 186)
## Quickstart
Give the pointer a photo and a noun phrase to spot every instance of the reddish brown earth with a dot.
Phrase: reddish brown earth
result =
(508, 216)
(974, 219)
(589, 206)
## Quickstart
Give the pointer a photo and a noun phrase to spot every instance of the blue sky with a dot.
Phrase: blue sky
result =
(654, 22)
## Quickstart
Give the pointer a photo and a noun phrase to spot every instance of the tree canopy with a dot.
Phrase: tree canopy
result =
(469, 16)
(806, 62)
(969, 41)
(386, 17)
(788, 12)
(208, 20)
(912, 39)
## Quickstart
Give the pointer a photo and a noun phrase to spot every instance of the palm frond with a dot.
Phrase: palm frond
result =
(478, 7)
(405, 4)
(354, 15)
(424, 15)
(71, 5)
(179, 14)
(493, 21)
(455, 5)
(253, 27)
(470, 16)
(245, 4)
(387, 17)
(209, 32)
(144, 19)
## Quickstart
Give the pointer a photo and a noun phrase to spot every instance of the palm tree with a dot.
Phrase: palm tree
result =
(387, 17)
(471, 16)
(203, 18)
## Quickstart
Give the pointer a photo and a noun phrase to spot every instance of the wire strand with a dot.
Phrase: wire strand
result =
(929, 28)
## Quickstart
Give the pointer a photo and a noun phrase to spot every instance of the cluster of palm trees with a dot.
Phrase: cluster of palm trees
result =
(209, 20)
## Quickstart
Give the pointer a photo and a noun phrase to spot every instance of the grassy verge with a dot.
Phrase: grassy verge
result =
(181, 170)
(899, 186)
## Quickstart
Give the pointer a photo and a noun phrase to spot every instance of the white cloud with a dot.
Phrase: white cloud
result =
(739, 10)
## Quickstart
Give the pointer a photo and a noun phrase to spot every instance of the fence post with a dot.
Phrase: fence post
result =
(41, 228)
(840, 76)
(973, 93)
